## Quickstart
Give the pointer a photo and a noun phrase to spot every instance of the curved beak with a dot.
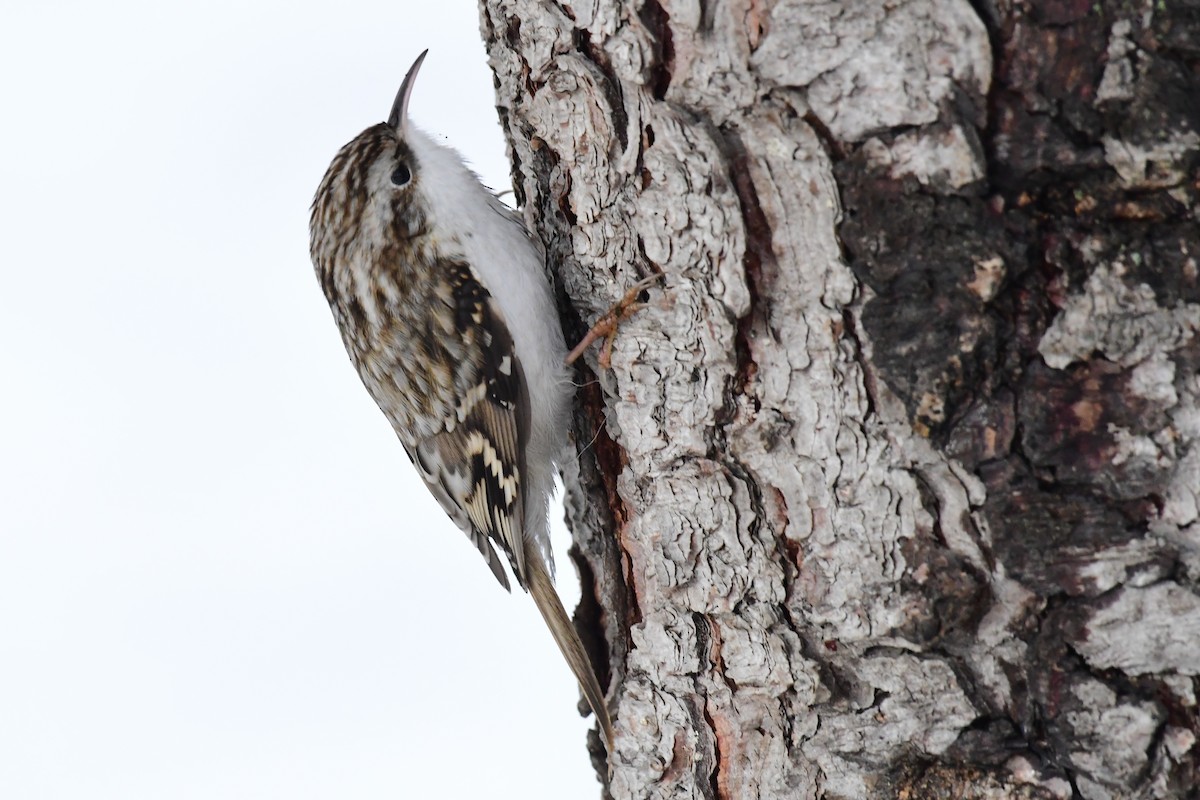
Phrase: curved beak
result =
(399, 116)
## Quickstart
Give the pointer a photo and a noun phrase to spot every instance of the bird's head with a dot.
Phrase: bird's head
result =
(370, 195)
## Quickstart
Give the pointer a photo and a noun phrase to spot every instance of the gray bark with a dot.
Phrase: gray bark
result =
(892, 487)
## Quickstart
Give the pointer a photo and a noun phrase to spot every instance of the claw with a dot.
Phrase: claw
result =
(606, 326)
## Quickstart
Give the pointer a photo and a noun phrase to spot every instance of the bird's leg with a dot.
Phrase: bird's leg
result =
(606, 326)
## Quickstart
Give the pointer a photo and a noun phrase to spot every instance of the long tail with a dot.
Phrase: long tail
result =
(563, 630)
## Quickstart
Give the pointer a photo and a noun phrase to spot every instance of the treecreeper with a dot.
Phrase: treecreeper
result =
(447, 311)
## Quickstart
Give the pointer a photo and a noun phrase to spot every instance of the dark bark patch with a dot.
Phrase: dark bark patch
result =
(587, 620)
(1075, 426)
(923, 780)
(1047, 539)
(986, 430)
(1075, 708)
(512, 32)
(658, 22)
(945, 596)
(722, 731)
(1047, 72)
(758, 261)
(935, 264)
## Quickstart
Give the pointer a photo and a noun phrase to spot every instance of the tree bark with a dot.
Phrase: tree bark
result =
(891, 488)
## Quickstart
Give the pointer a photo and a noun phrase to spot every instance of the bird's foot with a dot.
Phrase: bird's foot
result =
(606, 326)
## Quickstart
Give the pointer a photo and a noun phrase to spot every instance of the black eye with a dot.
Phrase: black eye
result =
(401, 176)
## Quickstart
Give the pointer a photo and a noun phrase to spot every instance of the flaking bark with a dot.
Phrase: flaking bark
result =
(892, 487)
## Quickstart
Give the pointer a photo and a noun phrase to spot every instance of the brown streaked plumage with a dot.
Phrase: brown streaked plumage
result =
(447, 314)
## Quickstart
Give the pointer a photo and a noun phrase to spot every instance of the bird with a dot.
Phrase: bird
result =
(447, 312)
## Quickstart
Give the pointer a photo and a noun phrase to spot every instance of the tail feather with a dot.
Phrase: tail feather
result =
(563, 630)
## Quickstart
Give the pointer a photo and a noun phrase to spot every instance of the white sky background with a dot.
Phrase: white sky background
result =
(219, 575)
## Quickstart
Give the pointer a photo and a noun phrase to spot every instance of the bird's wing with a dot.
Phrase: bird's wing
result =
(474, 467)
(438, 477)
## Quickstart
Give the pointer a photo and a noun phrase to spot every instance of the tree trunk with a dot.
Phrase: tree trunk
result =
(891, 488)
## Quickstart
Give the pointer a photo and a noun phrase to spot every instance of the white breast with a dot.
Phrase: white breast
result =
(510, 265)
